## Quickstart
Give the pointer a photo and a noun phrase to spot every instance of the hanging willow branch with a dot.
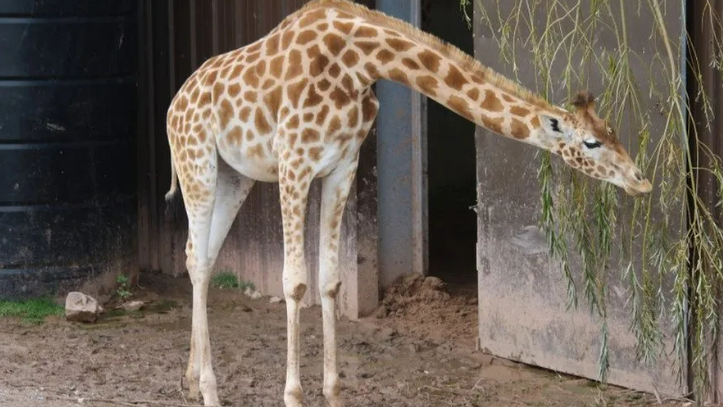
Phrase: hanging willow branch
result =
(648, 239)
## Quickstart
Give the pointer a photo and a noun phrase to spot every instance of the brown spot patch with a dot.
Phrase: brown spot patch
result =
(225, 112)
(250, 77)
(493, 124)
(294, 91)
(335, 70)
(313, 97)
(367, 47)
(210, 78)
(324, 85)
(366, 31)
(399, 45)
(253, 47)
(276, 66)
(318, 65)
(287, 38)
(315, 153)
(430, 60)
(454, 79)
(428, 84)
(491, 102)
(348, 83)
(252, 57)
(250, 96)
(261, 68)
(194, 96)
(273, 99)
(460, 106)
(321, 116)
(507, 98)
(293, 122)
(334, 125)
(182, 103)
(305, 37)
(384, 56)
(272, 45)
(205, 99)
(519, 130)
(308, 117)
(295, 68)
(260, 122)
(398, 75)
(339, 97)
(234, 90)
(350, 58)
(410, 63)
(334, 43)
(256, 151)
(234, 136)
(519, 111)
(343, 27)
(371, 70)
(473, 94)
(310, 136)
(352, 118)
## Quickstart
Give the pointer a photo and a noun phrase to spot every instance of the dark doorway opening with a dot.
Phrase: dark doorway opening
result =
(451, 165)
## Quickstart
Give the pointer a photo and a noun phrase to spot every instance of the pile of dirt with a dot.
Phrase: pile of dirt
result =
(426, 307)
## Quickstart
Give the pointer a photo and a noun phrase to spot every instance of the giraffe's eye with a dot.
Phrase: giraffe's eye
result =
(591, 143)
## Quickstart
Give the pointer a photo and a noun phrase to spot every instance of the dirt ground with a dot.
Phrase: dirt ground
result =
(417, 350)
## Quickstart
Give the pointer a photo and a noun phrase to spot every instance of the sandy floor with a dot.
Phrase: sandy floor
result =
(418, 350)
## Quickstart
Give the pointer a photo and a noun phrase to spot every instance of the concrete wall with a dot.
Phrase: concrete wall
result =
(522, 292)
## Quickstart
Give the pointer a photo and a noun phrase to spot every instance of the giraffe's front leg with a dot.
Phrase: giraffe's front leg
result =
(294, 186)
(334, 193)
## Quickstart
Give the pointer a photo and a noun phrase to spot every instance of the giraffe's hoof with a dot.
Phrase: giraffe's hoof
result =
(194, 392)
(294, 398)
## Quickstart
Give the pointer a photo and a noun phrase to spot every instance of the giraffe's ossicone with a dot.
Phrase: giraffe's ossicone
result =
(296, 105)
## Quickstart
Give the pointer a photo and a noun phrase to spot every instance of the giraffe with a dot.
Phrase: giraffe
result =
(296, 105)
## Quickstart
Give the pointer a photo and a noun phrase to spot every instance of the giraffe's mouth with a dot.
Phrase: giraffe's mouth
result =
(638, 188)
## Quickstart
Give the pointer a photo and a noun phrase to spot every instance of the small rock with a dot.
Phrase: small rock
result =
(133, 305)
(81, 308)
(433, 283)
(256, 295)
(381, 312)
(472, 301)
(248, 292)
(275, 300)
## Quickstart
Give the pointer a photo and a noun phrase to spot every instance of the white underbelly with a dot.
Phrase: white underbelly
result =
(264, 169)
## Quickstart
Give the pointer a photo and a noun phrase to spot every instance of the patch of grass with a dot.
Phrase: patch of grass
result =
(227, 279)
(31, 311)
(123, 290)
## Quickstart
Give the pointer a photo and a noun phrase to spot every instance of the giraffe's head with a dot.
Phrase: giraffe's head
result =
(587, 143)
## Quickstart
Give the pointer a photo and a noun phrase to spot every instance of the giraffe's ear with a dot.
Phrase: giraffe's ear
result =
(553, 125)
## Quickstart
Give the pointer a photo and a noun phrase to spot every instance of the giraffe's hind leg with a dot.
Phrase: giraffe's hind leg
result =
(231, 190)
(334, 192)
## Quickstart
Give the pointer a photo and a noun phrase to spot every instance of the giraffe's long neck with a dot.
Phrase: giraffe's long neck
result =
(464, 89)
(399, 52)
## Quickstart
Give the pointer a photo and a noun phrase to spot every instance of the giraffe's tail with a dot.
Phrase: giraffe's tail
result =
(174, 184)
